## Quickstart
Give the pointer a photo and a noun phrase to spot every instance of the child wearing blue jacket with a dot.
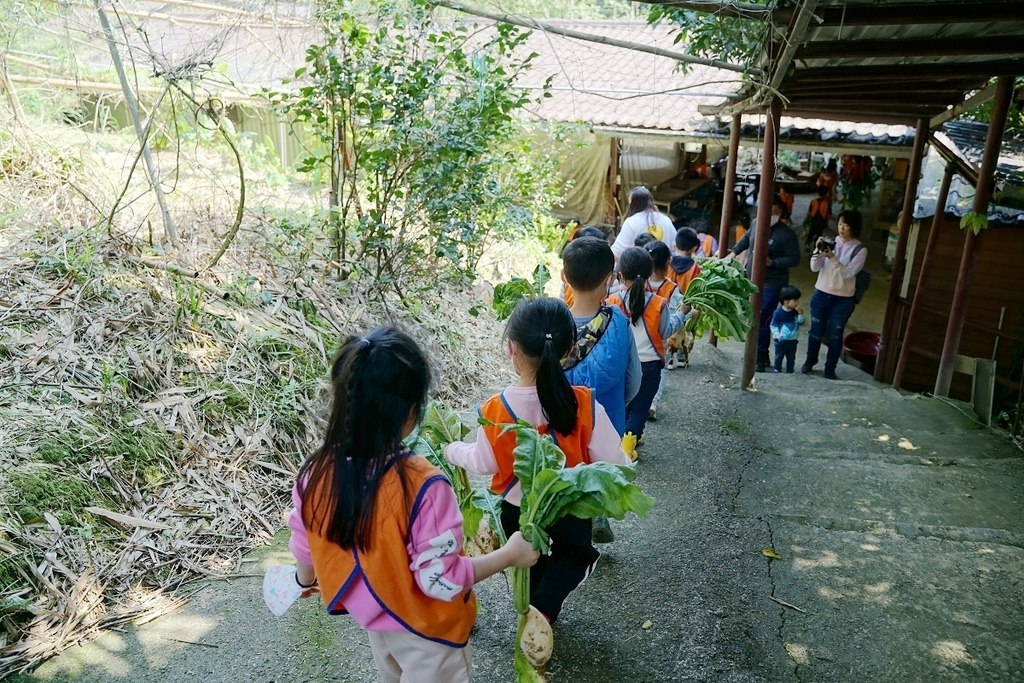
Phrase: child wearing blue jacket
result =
(785, 327)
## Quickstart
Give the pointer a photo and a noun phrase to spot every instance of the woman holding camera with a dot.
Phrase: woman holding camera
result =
(837, 264)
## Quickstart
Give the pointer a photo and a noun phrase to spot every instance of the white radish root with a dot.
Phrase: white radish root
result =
(485, 538)
(537, 641)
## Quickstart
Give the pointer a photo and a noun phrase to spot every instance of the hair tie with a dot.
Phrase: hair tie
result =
(547, 335)
(363, 343)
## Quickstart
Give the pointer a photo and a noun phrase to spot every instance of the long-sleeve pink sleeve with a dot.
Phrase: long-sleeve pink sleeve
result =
(435, 544)
(299, 542)
(476, 457)
(605, 444)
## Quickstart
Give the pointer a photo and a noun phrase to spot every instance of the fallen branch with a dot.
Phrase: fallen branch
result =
(786, 604)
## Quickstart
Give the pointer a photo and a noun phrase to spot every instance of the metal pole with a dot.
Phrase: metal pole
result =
(885, 347)
(922, 277)
(759, 251)
(728, 194)
(969, 259)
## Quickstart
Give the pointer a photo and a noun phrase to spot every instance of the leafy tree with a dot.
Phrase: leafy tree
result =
(716, 35)
(417, 129)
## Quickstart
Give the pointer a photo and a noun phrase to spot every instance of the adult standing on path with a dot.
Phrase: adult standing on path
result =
(783, 254)
(643, 216)
(832, 303)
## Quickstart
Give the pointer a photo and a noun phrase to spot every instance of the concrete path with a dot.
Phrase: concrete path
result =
(897, 520)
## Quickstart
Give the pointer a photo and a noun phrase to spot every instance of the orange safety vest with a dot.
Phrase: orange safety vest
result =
(665, 290)
(651, 318)
(384, 566)
(683, 280)
(819, 207)
(706, 245)
(575, 445)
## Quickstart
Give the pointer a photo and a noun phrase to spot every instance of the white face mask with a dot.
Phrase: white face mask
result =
(775, 219)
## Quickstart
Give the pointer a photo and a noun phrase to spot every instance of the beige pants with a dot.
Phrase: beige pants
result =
(403, 657)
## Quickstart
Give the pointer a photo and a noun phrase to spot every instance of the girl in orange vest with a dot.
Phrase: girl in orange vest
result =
(377, 529)
(539, 334)
(652, 323)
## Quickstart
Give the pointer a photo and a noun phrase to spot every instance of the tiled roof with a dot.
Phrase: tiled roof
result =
(615, 87)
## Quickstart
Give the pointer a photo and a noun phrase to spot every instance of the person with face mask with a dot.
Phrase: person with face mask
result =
(783, 254)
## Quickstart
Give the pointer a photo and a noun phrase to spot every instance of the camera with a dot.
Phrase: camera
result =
(824, 244)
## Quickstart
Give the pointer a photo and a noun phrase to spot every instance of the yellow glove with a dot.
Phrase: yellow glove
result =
(629, 446)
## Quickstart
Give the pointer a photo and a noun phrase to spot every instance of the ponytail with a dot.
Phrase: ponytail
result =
(545, 330)
(636, 266)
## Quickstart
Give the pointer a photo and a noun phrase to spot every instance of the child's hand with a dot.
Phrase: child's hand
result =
(520, 552)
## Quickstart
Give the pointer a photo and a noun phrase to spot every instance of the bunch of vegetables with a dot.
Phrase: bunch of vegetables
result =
(481, 509)
(550, 492)
(857, 180)
(721, 292)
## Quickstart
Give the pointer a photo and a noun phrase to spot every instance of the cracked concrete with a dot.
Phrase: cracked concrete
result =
(908, 562)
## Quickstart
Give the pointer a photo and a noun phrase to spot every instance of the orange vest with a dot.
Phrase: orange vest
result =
(819, 207)
(707, 244)
(683, 280)
(652, 318)
(665, 290)
(576, 445)
(384, 566)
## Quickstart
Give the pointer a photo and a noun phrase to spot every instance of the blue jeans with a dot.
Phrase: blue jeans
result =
(829, 314)
(785, 349)
(769, 302)
(636, 410)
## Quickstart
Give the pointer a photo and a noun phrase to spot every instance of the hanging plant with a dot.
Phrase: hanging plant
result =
(974, 221)
(857, 180)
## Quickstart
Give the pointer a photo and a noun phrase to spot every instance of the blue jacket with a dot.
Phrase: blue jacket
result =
(603, 371)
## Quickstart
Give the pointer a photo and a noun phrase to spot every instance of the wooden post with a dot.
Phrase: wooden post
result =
(922, 277)
(969, 259)
(759, 251)
(728, 194)
(133, 111)
(886, 347)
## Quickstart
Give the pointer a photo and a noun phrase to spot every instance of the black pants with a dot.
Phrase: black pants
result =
(785, 348)
(556, 575)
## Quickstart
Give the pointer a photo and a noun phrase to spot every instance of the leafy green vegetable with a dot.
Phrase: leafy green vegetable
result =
(507, 295)
(721, 292)
(552, 491)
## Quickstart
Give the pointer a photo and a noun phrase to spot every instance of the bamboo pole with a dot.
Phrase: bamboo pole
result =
(969, 260)
(759, 251)
(922, 278)
(133, 111)
(527, 22)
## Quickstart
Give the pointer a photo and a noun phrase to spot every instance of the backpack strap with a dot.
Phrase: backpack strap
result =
(587, 337)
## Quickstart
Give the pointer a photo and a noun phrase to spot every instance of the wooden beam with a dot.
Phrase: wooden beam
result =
(963, 166)
(956, 88)
(548, 27)
(759, 245)
(975, 100)
(891, 72)
(794, 38)
(886, 345)
(915, 47)
(922, 278)
(876, 100)
(896, 14)
(969, 260)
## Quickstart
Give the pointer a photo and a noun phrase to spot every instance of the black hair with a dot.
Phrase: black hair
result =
(660, 254)
(635, 265)
(852, 219)
(700, 226)
(587, 262)
(590, 231)
(788, 293)
(545, 330)
(822, 191)
(379, 380)
(743, 218)
(643, 239)
(777, 201)
(686, 239)
(640, 199)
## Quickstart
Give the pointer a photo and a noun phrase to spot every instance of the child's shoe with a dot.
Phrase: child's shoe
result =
(652, 414)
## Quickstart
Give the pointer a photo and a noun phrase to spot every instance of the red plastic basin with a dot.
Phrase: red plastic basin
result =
(863, 348)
